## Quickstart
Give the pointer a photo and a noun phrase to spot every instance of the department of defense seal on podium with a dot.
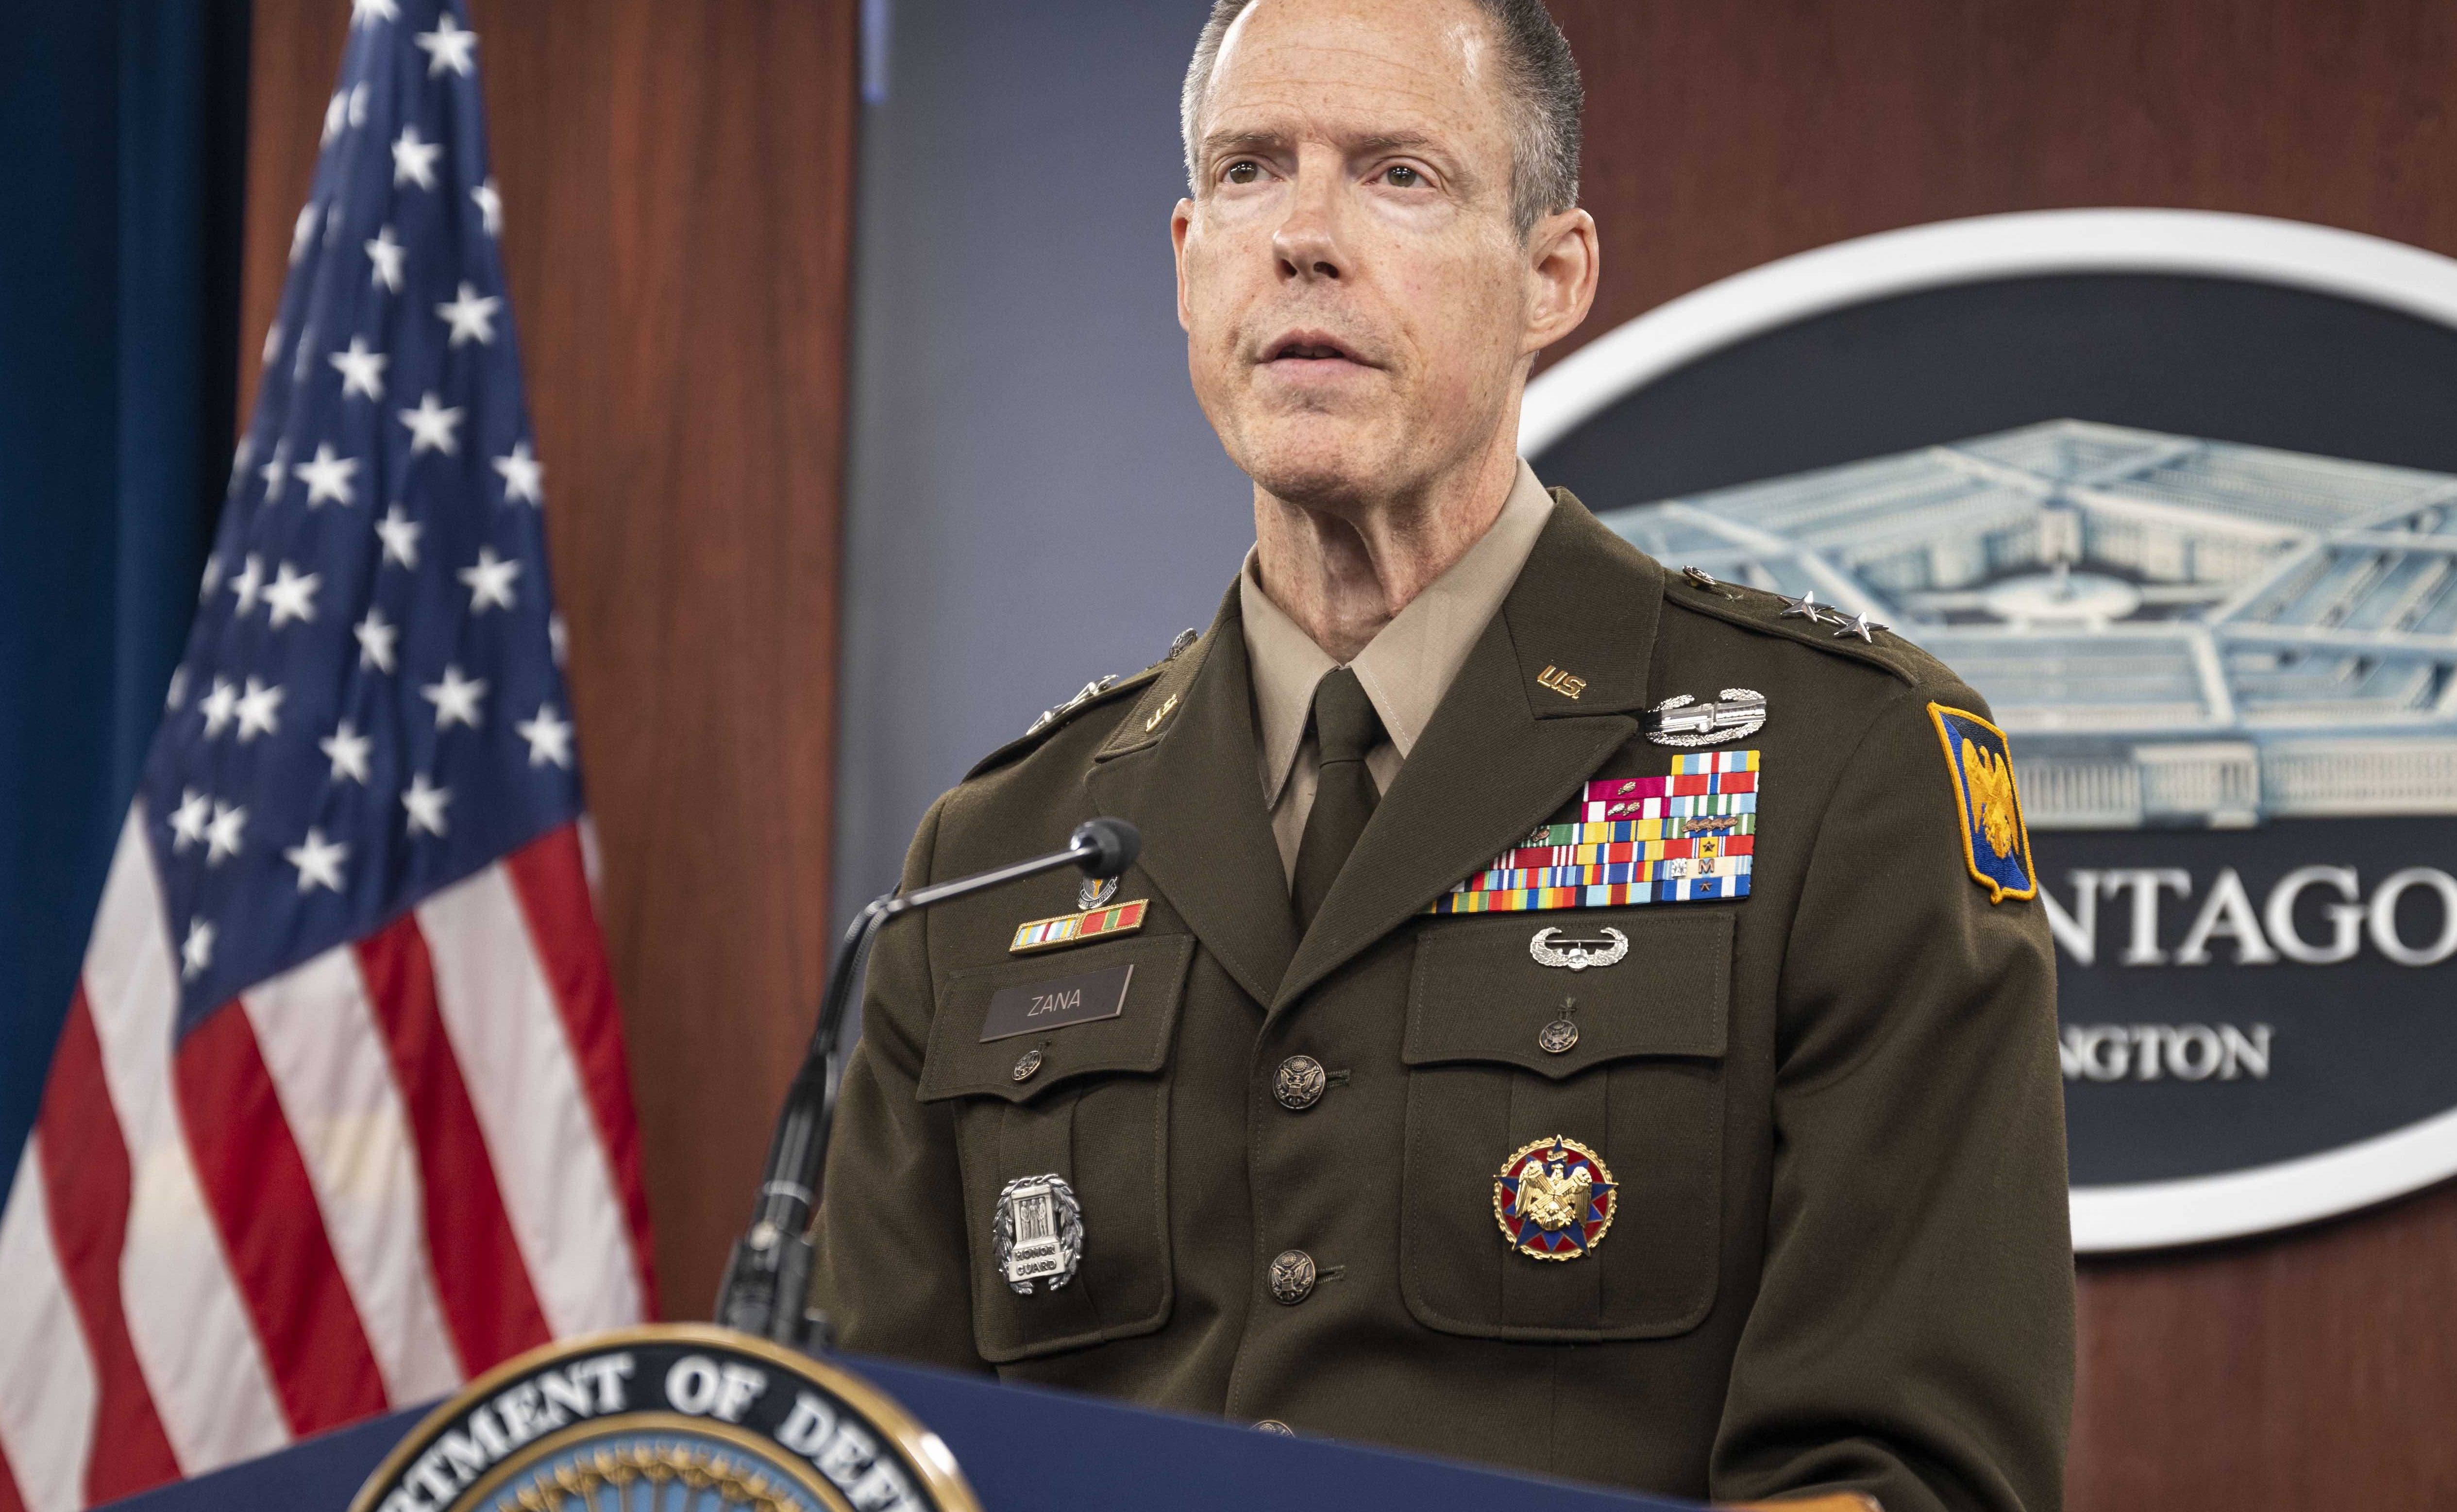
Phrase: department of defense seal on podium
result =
(672, 1415)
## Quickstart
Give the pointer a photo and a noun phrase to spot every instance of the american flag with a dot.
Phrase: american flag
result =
(340, 1116)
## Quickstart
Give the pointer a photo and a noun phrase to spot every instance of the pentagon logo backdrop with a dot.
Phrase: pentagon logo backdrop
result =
(2178, 493)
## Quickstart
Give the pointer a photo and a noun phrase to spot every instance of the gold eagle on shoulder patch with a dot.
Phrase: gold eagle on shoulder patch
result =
(1996, 844)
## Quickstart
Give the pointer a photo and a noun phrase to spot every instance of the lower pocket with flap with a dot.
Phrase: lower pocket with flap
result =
(1640, 1083)
(1085, 1101)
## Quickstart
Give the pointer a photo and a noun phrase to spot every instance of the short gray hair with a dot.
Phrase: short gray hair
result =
(1540, 79)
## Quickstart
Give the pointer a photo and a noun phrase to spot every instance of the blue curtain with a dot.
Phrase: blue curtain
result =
(120, 212)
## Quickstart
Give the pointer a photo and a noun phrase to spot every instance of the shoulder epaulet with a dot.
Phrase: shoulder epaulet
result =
(1804, 619)
(1091, 696)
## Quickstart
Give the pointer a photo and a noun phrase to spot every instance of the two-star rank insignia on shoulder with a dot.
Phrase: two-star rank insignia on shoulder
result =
(1995, 843)
(1677, 839)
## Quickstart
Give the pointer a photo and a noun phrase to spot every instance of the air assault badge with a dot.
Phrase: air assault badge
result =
(1996, 844)
(1554, 1199)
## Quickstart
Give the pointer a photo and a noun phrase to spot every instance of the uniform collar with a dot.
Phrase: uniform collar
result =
(1548, 692)
(1405, 669)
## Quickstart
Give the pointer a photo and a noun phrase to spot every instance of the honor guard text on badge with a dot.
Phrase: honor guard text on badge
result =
(1038, 1233)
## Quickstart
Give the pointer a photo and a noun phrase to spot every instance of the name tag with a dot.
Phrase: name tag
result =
(1056, 1001)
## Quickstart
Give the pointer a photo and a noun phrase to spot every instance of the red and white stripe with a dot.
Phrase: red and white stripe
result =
(363, 1183)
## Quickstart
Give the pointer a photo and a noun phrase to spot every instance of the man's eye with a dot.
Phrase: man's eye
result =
(1245, 173)
(1399, 176)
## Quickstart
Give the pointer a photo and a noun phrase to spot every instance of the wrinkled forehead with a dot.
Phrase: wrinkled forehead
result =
(1351, 72)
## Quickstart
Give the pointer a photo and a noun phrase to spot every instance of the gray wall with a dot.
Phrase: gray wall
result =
(1035, 498)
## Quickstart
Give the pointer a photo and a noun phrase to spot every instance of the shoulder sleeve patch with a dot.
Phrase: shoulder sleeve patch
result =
(1979, 764)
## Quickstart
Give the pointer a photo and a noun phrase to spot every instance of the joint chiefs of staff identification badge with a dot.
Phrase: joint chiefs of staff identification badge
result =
(1554, 1199)
(1038, 1233)
(1995, 843)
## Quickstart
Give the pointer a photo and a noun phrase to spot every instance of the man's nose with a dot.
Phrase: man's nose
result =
(1308, 242)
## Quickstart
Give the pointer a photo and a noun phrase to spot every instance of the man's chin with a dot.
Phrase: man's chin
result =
(1334, 483)
(1318, 461)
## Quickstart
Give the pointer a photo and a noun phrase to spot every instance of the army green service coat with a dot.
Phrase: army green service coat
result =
(1832, 1107)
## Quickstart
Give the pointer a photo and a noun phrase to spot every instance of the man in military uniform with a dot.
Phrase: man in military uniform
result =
(1569, 1011)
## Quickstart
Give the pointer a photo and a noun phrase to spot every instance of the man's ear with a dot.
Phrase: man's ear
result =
(1564, 256)
(1180, 221)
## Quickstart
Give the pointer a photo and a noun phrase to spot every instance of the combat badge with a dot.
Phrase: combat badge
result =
(1038, 1233)
(1553, 1199)
(1684, 723)
(1995, 843)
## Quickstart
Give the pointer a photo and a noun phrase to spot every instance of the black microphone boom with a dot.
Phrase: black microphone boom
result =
(769, 1273)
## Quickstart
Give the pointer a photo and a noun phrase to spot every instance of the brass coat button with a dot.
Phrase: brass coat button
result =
(1293, 1275)
(1025, 1064)
(1298, 1083)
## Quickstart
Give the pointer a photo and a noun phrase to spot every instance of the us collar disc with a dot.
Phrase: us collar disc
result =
(754, 1427)
(1554, 1199)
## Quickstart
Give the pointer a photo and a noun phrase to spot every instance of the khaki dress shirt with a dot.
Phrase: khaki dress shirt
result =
(1405, 669)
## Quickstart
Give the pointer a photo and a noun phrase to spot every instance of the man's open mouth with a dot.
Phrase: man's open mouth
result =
(1310, 346)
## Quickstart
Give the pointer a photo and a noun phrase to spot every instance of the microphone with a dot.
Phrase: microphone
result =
(767, 1276)
(1107, 847)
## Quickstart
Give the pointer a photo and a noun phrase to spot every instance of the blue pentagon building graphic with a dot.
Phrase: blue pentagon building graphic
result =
(2176, 632)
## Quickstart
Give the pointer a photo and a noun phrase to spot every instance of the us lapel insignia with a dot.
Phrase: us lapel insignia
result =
(1038, 1231)
(1684, 721)
(1686, 837)
(1067, 929)
(1554, 1199)
(1995, 843)
(1562, 683)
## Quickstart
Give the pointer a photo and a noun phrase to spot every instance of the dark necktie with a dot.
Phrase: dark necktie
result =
(1345, 726)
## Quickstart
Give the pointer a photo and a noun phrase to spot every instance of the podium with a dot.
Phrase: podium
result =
(1025, 1449)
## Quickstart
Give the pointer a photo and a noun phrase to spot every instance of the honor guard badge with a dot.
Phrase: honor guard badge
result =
(1038, 1233)
(1554, 1199)
(1995, 843)
(1684, 838)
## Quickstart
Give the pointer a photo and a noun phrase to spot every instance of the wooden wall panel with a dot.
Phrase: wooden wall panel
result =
(2302, 1371)
(1722, 136)
(678, 203)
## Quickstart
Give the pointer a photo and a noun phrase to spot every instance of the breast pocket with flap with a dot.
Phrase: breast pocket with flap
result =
(1640, 1084)
(1087, 1100)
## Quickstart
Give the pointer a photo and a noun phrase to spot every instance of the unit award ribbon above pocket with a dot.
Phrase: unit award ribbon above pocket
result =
(1684, 838)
